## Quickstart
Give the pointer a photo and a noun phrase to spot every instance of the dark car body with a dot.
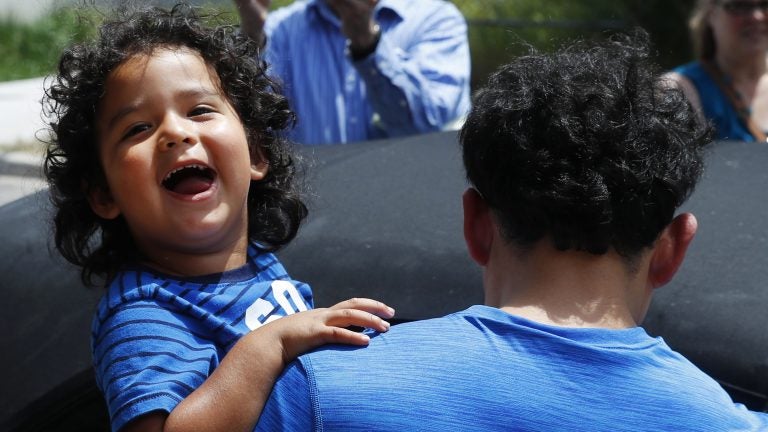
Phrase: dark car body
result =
(385, 222)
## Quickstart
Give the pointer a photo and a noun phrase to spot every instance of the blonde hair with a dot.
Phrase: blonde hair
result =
(702, 36)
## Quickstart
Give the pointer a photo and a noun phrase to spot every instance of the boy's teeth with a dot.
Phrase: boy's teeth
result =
(200, 167)
(189, 179)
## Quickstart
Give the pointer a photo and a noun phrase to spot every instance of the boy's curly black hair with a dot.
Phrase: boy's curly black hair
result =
(585, 146)
(100, 247)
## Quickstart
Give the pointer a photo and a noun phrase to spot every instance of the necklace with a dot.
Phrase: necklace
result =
(742, 106)
(743, 110)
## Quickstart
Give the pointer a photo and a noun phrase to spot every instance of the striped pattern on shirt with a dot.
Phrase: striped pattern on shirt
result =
(156, 338)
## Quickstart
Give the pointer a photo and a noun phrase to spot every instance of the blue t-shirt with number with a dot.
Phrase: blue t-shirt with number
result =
(156, 338)
(485, 370)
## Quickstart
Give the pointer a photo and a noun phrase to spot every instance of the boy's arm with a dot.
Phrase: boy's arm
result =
(232, 397)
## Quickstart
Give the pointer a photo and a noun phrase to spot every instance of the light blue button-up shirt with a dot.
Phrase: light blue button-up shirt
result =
(416, 81)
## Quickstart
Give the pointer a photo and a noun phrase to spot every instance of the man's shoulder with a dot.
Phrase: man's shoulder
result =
(407, 8)
(290, 21)
(292, 12)
(425, 338)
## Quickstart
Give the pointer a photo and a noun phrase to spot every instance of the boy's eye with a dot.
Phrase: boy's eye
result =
(200, 110)
(135, 129)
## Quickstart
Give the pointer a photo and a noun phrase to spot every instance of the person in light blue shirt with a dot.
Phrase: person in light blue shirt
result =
(356, 70)
(578, 162)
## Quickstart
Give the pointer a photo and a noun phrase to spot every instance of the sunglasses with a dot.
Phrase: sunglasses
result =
(744, 8)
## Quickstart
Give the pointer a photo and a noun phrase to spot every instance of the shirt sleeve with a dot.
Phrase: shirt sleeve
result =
(145, 361)
(289, 407)
(422, 85)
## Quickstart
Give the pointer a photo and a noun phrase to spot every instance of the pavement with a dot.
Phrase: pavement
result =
(21, 126)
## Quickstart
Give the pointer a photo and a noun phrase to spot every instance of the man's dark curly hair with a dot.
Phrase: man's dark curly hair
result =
(72, 166)
(585, 146)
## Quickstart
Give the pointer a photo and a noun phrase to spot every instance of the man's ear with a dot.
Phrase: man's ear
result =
(670, 249)
(478, 226)
(102, 203)
(259, 170)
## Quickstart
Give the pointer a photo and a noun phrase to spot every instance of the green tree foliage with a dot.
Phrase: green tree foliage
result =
(502, 29)
(498, 30)
(667, 22)
(31, 49)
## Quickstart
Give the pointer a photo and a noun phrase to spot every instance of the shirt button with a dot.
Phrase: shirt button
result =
(403, 103)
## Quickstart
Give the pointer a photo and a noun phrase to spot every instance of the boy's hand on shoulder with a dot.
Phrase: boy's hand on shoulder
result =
(234, 394)
(303, 331)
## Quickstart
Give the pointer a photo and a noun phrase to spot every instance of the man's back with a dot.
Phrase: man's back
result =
(578, 162)
(485, 369)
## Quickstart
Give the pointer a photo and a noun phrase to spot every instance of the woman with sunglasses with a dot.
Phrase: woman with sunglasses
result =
(728, 83)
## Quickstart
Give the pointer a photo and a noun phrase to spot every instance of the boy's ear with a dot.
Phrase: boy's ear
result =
(670, 249)
(102, 203)
(478, 226)
(259, 170)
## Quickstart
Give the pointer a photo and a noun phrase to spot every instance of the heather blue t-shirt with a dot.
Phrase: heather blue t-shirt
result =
(483, 369)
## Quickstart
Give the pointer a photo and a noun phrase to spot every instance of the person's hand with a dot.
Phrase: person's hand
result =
(303, 331)
(253, 15)
(232, 397)
(357, 22)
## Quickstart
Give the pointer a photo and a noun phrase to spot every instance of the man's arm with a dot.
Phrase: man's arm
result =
(420, 83)
(253, 15)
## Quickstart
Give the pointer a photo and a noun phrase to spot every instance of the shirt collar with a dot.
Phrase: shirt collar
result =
(321, 10)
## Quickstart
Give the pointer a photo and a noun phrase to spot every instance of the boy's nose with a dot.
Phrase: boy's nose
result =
(174, 131)
(167, 143)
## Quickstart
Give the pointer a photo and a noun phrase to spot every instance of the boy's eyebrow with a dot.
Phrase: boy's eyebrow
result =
(122, 112)
(188, 93)
(199, 92)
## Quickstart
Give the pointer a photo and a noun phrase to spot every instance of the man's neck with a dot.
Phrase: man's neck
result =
(569, 289)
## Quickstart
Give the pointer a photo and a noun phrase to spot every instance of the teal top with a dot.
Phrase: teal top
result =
(715, 104)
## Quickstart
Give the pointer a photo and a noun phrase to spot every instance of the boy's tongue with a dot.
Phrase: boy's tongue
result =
(191, 185)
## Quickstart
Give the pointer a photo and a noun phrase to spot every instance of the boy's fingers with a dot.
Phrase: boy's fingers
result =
(355, 317)
(344, 336)
(365, 304)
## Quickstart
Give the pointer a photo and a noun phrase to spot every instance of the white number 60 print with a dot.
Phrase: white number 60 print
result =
(287, 297)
